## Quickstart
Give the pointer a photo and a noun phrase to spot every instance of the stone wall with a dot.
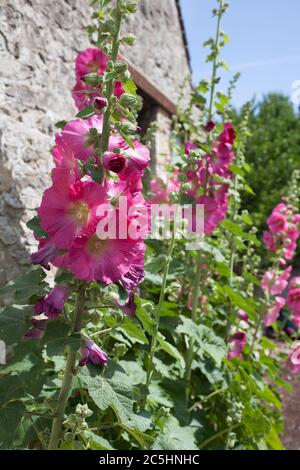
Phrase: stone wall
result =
(38, 42)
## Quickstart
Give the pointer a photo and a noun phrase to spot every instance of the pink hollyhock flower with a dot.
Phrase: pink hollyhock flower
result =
(119, 90)
(80, 134)
(91, 353)
(114, 162)
(66, 211)
(269, 241)
(52, 303)
(189, 146)
(45, 255)
(293, 233)
(82, 99)
(135, 274)
(65, 162)
(129, 308)
(214, 213)
(289, 250)
(277, 223)
(161, 190)
(293, 298)
(273, 313)
(224, 154)
(243, 316)
(38, 329)
(295, 359)
(228, 135)
(93, 259)
(90, 60)
(237, 343)
(137, 159)
(274, 282)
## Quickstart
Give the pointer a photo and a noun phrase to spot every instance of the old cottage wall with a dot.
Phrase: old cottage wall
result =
(38, 43)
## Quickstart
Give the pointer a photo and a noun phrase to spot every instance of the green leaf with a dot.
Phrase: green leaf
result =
(86, 112)
(111, 389)
(27, 285)
(143, 312)
(133, 331)
(170, 349)
(207, 341)
(10, 417)
(34, 224)
(130, 87)
(175, 437)
(61, 124)
(14, 322)
(235, 229)
(97, 442)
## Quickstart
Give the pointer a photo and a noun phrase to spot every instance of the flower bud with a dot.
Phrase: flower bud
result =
(100, 104)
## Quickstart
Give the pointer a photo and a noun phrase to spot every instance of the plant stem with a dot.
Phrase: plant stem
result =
(68, 375)
(111, 83)
(161, 300)
(216, 436)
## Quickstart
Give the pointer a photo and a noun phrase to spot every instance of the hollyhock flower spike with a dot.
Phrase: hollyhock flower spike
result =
(92, 354)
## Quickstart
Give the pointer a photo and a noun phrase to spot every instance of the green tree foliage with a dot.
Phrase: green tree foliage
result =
(272, 151)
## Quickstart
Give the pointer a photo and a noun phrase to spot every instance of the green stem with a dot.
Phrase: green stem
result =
(68, 376)
(216, 436)
(111, 83)
(161, 300)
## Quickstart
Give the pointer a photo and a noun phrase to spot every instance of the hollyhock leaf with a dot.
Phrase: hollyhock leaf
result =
(35, 225)
(273, 440)
(96, 442)
(14, 322)
(27, 285)
(123, 294)
(209, 343)
(111, 389)
(174, 437)
(61, 124)
(144, 314)
(133, 331)
(10, 417)
(170, 349)
(56, 338)
(130, 87)
(86, 112)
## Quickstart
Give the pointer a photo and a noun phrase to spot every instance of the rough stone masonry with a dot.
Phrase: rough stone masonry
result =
(38, 42)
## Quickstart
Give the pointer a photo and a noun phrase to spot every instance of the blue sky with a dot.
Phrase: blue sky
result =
(264, 43)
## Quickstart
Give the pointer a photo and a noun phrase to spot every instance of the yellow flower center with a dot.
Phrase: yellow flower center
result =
(95, 245)
(80, 212)
(94, 67)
